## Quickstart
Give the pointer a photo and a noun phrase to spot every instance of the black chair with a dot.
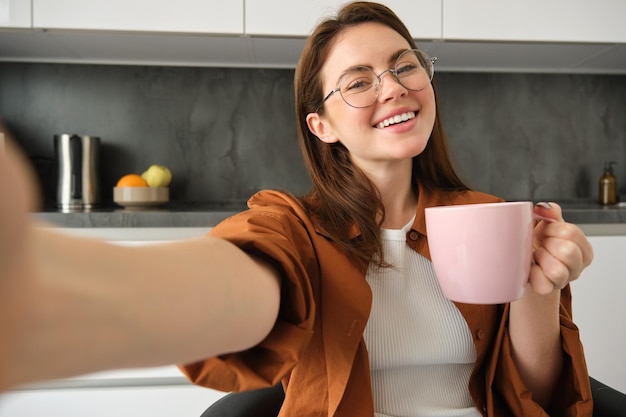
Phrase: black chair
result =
(607, 402)
(266, 402)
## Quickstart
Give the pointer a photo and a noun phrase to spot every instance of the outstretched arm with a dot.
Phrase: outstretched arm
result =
(71, 305)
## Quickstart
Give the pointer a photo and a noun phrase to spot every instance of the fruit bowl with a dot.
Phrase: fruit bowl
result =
(140, 197)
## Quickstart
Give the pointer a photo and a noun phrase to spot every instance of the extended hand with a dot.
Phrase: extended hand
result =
(16, 201)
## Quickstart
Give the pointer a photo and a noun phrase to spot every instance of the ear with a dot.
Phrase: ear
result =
(320, 128)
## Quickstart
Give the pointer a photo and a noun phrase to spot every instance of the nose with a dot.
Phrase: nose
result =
(392, 89)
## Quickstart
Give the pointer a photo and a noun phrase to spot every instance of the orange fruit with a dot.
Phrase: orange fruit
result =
(132, 180)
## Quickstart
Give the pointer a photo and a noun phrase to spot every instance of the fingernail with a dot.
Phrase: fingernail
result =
(544, 205)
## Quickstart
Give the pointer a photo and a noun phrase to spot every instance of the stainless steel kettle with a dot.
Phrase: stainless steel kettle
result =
(77, 157)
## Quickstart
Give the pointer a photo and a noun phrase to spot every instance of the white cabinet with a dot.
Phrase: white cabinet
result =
(182, 16)
(599, 310)
(297, 18)
(15, 13)
(570, 36)
(286, 17)
(277, 29)
(136, 394)
(535, 20)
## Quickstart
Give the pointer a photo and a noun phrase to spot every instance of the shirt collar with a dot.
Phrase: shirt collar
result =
(426, 198)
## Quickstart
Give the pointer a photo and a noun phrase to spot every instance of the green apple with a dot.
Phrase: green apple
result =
(157, 176)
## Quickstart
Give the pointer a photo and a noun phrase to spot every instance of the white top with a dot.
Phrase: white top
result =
(420, 348)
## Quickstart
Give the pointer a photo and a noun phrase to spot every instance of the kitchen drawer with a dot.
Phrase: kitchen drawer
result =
(153, 401)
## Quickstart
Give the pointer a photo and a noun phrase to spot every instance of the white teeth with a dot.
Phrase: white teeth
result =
(396, 119)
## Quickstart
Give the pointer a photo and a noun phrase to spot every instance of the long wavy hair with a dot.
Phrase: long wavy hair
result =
(342, 196)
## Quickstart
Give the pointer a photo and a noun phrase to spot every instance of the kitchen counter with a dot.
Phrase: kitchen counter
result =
(169, 215)
(585, 212)
(608, 220)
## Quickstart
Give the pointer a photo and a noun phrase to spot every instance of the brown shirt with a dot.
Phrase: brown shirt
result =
(316, 347)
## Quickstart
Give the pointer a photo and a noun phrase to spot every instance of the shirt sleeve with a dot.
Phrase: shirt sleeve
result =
(572, 395)
(279, 236)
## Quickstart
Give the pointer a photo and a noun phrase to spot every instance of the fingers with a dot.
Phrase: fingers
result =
(562, 252)
(566, 242)
(550, 210)
(539, 282)
(549, 272)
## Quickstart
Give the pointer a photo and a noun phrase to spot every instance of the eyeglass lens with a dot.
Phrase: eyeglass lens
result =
(359, 86)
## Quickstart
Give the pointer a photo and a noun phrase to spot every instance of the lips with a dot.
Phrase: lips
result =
(398, 118)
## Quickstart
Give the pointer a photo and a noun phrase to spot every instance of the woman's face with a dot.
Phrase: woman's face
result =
(371, 145)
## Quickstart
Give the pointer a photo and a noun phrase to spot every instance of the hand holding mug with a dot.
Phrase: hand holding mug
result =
(488, 253)
(561, 251)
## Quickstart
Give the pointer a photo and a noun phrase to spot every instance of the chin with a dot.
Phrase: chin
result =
(418, 147)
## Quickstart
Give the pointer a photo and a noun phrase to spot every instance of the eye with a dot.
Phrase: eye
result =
(357, 81)
(406, 68)
(358, 84)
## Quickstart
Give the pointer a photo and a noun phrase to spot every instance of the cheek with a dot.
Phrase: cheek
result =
(427, 100)
(427, 96)
(345, 120)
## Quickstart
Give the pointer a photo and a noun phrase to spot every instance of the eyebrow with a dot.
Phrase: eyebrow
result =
(392, 58)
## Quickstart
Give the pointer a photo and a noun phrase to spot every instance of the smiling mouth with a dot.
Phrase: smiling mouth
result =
(399, 118)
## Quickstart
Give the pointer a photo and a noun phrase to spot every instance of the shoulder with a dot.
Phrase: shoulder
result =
(275, 215)
(431, 198)
(272, 203)
(470, 197)
(274, 200)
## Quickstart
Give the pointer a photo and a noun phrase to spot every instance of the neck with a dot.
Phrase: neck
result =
(399, 209)
(398, 197)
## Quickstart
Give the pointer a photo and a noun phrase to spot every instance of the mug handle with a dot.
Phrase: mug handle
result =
(538, 217)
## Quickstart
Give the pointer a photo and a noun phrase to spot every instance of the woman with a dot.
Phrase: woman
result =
(304, 290)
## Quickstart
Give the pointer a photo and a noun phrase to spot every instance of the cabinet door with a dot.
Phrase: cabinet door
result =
(298, 18)
(15, 14)
(599, 310)
(195, 16)
(535, 20)
(124, 401)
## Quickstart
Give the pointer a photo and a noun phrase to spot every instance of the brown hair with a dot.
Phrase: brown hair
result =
(342, 196)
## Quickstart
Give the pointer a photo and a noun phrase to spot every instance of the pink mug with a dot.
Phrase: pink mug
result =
(482, 253)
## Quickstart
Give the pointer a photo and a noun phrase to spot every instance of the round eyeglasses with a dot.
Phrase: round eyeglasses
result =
(359, 86)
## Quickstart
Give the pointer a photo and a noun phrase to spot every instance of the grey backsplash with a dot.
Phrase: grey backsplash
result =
(226, 133)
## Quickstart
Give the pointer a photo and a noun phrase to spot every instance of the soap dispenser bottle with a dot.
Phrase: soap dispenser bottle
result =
(608, 185)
